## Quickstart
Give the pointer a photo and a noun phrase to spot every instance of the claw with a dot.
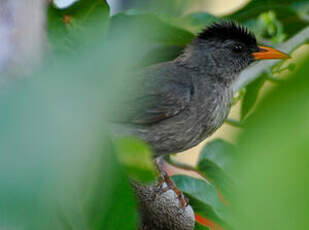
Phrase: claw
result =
(165, 179)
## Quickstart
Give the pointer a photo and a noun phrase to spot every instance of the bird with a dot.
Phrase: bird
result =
(175, 105)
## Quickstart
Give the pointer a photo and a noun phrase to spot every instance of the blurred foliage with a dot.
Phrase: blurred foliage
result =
(250, 97)
(60, 170)
(273, 170)
(136, 157)
(194, 22)
(269, 27)
(163, 41)
(53, 170)
(285, 11)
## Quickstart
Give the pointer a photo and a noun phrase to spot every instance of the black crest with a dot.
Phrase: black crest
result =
(228, 30)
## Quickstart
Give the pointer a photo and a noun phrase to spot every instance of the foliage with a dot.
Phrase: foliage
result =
(215, 163)
(68, 28)
(251, 95)
(163, 40)
(287, 12)
(274, 160)
(136, 158)
(204, 198)
(60, 170)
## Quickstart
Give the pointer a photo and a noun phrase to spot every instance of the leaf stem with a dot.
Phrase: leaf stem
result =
(235, 123)
(184, 166)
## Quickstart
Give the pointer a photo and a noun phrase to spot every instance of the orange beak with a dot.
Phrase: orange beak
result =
(269, 53)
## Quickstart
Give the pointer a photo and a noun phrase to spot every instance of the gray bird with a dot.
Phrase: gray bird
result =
(176, 105)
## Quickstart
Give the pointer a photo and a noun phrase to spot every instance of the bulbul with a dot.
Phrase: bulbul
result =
(177, 104)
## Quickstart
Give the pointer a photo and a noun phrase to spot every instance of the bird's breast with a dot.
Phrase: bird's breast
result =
(210, 113)
(206, 112)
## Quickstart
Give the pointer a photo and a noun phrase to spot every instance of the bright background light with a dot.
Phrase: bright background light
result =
(64, 3)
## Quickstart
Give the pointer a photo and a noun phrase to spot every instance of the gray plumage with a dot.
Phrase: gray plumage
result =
(176, 105)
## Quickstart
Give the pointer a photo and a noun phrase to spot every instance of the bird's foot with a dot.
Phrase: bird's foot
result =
(165, 183)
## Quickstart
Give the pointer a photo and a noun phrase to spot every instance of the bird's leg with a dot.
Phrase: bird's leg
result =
(165, 180)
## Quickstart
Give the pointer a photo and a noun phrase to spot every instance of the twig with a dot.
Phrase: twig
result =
(256, 70)
(161, 211)
(235, 123)
(184, 166)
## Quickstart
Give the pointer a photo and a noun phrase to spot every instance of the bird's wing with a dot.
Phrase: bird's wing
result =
(159, 99)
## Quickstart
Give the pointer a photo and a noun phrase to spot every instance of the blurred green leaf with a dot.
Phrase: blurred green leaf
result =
(272, 192)
(159, 31)
(285, 12)
(268, 27)
(251, 95)
(203, 198)
(157, 34)
(109, 198)
(68, 28)
(200, 227)
(58, 169)
(302, 9)
(193, 22)
(199, 20)
(137, 159)
(215, 163)
(55, 169)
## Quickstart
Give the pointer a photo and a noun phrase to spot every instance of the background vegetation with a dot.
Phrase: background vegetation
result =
(59, 168)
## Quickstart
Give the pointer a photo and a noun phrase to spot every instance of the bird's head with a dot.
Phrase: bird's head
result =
(229, 48)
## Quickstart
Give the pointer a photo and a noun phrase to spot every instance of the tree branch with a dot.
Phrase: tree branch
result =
(161, 211)
(253, 72)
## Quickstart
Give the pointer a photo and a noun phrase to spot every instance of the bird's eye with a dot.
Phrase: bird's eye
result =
(238, 48)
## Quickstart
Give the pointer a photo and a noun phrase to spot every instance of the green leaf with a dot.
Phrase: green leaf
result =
(302, 9)
(137, 159)
(215, 163)
(199, 20)
(72, 27)
(165, 36)
(273, 168)
(194, 22)
(285, 12)
(251, 95)
(204, 198)
(159, 31)
(157, 35)
(58, 171)
(268, 27)
(200, 227)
